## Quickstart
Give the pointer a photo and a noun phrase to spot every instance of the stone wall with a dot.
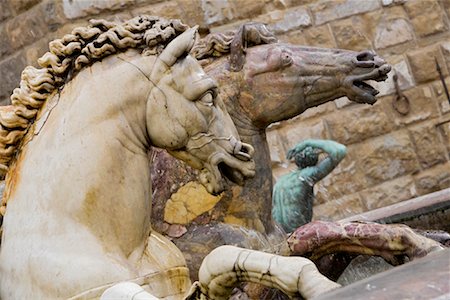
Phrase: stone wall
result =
(391, 157)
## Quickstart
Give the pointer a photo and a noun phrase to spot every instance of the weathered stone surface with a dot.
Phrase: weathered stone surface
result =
(277, 152)
(445, 47)
(428, 145)
(319, 36)
(433, 179)
(297, 131)
(25, 29)
(422, 106)
(5, 12)
(445, 132)
(348, 36)
(19, 6)
(247, 9)
(189, 202)
(293, 37)
(392, 33)
(338, 209)
(283, 21)
(191, 13)
(5, 47)
(346, 179)
(326, 11)
(53, 14)
(358, 123)
(388, 193)
(318, 110)
(10, 70)
(392, 2)
(217, 12)
(426, 17)
(342, 102)
(78, 9)
(423, 64)
(387, 157)
(441, 97)
(168, 9)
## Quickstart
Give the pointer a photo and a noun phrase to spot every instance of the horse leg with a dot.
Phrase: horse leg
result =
(127, 291)
(227, 266)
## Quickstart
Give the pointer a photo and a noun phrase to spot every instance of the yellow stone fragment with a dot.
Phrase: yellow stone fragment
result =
(190, 201)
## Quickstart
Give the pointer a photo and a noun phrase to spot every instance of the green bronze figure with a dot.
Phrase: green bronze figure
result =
(293, 194)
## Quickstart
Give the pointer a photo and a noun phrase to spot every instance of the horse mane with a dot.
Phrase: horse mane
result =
(218, 44)
(68, 55)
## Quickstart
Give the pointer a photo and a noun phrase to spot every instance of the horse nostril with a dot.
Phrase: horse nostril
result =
(365, 56)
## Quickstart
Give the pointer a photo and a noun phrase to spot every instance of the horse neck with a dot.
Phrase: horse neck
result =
(91, 151)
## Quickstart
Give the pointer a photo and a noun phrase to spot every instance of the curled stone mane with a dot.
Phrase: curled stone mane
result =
(68, 55)
(220, 44)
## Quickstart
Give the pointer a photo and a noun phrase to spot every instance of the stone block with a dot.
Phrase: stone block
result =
(25, 29)
(429, 148)
(444, 129)
(291, 19)
(387, 157)
(348, 36)
(53, 13)
(388, 193)
(338, 209)
(445, 47)
(19, 6)
(168, 9)
(5, 46)
(330, 10)
(247, 8)
(216, 12)
(10, 70)
(441, 97)
(318, 110)
(319, 36)
(343, 102)
(297, 131)
(5, 12)
(345, 179)
(392, 2)
(295, 37)
(277, 152)
(423, 64)
(191, 13)
(358, 123)
(78, 9)
(421, 103)
(434, 179)
(426, 17)
(392, 32)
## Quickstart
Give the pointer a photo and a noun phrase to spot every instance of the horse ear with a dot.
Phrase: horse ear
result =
(179, 46)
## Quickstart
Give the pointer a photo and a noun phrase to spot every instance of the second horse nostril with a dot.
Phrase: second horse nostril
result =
(365, 56)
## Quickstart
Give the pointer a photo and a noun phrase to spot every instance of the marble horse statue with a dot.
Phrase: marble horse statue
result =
(77, 200)
(263, 81)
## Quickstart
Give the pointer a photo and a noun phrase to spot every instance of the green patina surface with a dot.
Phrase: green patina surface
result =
(293, 194)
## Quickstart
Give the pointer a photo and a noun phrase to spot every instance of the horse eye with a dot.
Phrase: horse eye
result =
(286, 60)
(208, 98)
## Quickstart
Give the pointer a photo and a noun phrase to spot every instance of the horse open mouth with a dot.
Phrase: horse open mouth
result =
(364, 92)
(225, 165)
(230, 173)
